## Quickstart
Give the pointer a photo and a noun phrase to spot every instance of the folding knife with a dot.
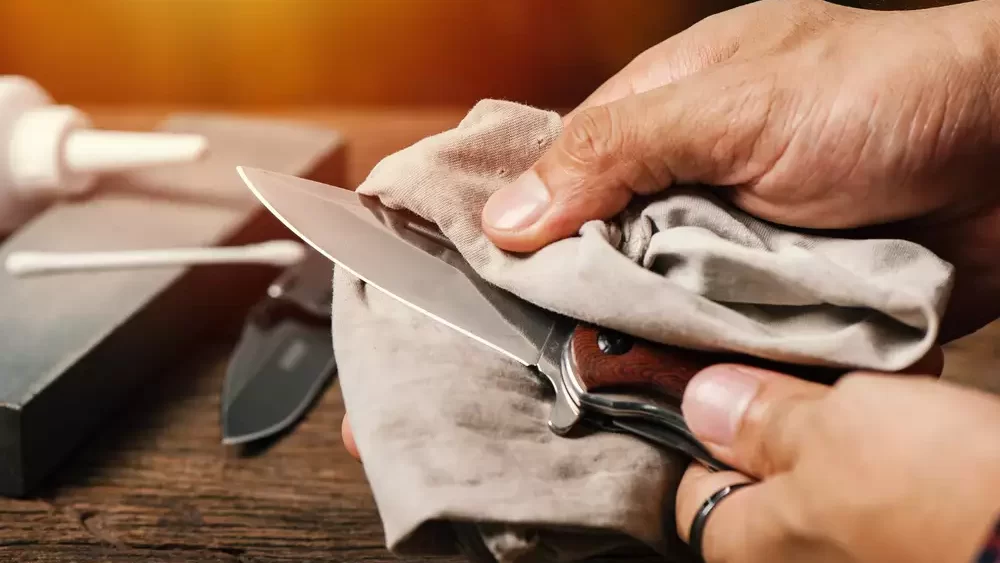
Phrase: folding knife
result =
(603, 378)
(285, 355)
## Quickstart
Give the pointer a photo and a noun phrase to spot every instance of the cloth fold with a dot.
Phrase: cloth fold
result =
(452, 433)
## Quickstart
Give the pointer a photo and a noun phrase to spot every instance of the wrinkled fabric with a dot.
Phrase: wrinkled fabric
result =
(453, 433)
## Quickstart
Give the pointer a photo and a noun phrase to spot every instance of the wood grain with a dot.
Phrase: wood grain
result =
(660, 368)
(664, 369)
(157, 485)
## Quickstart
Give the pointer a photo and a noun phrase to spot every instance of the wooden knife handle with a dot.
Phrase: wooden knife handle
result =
(608, 360)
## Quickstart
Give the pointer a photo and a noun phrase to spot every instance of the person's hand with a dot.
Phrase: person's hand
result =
(807, 114)
(876, 468)
(815, 115)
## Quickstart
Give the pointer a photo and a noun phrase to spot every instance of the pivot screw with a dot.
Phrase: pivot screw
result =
(613, 343)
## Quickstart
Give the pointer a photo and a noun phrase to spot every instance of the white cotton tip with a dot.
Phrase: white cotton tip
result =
(95, 151)
(281, 253)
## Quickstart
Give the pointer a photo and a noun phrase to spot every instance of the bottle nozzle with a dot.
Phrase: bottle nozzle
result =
(94, 151)
(53, 150)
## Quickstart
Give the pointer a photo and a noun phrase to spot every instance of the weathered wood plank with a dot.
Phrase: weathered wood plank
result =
(157, 485)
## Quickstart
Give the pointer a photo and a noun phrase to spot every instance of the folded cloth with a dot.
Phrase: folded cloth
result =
(454, 436)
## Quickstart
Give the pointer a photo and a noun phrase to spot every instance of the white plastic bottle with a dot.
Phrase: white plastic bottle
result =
(49, 151)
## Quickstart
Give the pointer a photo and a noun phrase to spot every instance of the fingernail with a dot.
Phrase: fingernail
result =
(715, 400)
(518, 205)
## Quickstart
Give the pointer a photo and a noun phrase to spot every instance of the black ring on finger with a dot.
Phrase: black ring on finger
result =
(701, 517)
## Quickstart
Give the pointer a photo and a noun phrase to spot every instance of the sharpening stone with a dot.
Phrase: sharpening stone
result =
(74, 346)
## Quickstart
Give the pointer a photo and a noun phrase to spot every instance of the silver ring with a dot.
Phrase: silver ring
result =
(701, 517)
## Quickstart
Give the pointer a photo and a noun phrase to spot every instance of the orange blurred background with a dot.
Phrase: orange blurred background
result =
(253, 53)
(237, 53)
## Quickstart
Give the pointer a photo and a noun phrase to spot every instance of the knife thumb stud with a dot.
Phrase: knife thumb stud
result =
(613, 343)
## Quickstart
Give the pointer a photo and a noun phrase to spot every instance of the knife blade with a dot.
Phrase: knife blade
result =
(284, 356)
(410, 260)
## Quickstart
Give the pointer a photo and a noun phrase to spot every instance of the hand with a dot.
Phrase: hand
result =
(810, 115)
(696, 105)
(673, 59)
(876, 468)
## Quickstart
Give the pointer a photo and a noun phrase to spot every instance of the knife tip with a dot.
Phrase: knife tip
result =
(234, 440)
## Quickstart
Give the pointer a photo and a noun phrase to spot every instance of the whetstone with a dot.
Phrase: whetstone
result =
(74, 346)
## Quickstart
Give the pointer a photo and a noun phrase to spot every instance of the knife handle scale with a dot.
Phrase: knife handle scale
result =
(606, 360)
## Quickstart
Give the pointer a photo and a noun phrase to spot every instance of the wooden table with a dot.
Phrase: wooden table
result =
(156, 485)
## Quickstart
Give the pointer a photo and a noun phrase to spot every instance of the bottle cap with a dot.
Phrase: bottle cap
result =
(53, 149)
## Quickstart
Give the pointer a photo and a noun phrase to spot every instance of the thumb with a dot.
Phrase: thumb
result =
(755, 420)
(698, 129)
(583, 176)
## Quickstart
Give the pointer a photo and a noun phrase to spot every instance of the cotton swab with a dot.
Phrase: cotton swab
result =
(98, 151)
(275, 253)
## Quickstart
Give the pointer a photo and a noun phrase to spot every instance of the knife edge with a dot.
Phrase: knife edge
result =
(308, 240)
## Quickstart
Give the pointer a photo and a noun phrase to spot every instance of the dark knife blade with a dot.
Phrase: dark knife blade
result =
(284, 357)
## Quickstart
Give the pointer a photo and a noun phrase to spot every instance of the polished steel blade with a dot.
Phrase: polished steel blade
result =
(410, 260)
(405, 257)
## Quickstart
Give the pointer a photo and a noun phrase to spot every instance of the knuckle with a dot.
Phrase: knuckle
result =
(594, 136)
(803, 516)
(855, 383)
(770, 438)
(771, 430)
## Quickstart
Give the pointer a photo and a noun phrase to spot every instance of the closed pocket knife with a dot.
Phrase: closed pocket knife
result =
(599, 377)
(285, 354)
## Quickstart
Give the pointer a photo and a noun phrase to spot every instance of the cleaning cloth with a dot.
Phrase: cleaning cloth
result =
(453, 435)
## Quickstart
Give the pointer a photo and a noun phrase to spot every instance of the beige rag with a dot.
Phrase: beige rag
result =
(453, 435)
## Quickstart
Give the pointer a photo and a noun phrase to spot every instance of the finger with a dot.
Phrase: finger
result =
(347, 435)
(703, 128)
(756, 421)
(745, 526)
(698, 484)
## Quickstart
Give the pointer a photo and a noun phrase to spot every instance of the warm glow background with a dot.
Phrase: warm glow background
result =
(331, 52)
(238, 53)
